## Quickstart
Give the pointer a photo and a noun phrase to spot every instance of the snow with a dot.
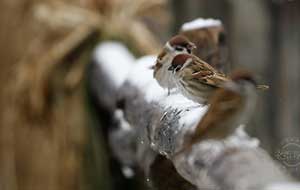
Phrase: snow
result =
(181, 101)
(241, 139)
(283, 186)
(191, 112)
(141, 76)
(192, 117)
(192, 165)
(127, 172)
(115, 59)
(200, 23)
(119, 115)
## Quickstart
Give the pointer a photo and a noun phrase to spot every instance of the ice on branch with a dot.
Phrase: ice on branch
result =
(200, 23)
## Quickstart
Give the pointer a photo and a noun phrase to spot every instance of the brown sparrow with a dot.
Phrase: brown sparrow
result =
(176, 45)
(196, 79)
(210, 38)
(230, 106)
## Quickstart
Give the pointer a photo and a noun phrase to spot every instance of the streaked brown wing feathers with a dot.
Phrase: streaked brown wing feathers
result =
(207, 74)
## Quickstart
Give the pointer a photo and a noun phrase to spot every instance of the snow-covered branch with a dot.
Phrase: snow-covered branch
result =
(153, 124)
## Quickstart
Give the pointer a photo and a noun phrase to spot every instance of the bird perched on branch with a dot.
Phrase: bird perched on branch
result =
(230, 106)
(209, 36)
(176, 45)
(196, 79)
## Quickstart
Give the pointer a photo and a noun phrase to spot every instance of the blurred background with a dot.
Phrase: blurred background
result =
(53, 135)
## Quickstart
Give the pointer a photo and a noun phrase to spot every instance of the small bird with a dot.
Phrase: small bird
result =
(196, 79)
(230, 106)
(211, 42)
(176, 45)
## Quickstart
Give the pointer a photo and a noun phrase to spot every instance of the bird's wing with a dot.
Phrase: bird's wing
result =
(224, 105)
(205, 73)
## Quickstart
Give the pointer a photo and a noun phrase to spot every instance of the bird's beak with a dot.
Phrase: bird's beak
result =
(192, 46)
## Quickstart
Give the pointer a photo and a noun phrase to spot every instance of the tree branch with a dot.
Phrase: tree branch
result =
(153, 123)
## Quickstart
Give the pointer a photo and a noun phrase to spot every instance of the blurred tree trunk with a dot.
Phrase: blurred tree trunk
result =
(289, 58)
(288, 90)
(250, 42)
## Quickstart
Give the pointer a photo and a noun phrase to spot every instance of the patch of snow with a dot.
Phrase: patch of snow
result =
(192, 117)
(193, 164)
(127, 172)
(240, 132)
(115, 59)
(200, 23)
(119, 115)
(241, 138)
(283, 186)
(208, 149)
(181, 101)
(154, 92)
(191, 111)
(141, 76)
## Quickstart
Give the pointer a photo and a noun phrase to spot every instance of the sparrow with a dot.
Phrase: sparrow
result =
(230, 106)
(176, 45)
(196, 79)
(211, 43)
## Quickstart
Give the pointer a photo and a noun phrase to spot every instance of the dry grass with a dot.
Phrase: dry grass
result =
(45, 47)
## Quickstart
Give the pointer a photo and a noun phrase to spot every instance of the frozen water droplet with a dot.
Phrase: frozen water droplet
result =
(163, 153)
(127, 172)
(142, 142)
(152, 144)
(147, 179)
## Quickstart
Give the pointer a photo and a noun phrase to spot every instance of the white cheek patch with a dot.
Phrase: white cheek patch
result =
(169, 47)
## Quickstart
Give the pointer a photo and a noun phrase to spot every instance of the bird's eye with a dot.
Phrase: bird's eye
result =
(178, 48)
(177, 68)
(222, 39)
(189, 51)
